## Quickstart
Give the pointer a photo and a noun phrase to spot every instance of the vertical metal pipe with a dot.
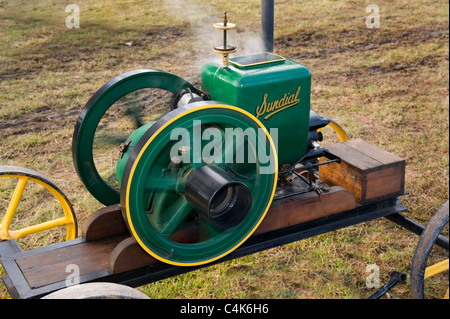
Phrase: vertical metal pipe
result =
(225, 22)
(267, 23)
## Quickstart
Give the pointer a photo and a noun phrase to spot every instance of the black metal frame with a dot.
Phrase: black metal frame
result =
(417, 229)
(19, 288)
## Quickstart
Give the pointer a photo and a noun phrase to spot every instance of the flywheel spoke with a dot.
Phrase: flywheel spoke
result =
(179, 212)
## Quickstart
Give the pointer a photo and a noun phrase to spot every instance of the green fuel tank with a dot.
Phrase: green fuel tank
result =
(275, 89)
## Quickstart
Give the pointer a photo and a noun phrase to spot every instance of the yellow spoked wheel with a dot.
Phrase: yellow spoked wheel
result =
(42, 190)
(429, 266)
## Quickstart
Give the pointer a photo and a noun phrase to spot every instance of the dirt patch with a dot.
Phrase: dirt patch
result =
(44, 119)
(321, 44)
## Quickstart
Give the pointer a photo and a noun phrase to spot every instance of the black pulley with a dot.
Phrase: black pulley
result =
(213, 193)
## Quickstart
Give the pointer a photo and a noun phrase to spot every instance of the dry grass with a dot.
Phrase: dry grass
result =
(388, 86)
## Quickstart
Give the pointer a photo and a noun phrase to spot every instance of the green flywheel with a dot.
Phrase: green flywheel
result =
(94, 111)
(198, 183)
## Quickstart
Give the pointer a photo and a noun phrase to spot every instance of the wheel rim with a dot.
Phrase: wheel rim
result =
(343, 137)
(25, 176)
(419, 270)
(92, 113)
(338, 129)
(140, 185)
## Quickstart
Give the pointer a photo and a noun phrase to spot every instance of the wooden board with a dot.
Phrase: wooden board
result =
(109, 248)
(302, 208)
(283, 213)
(367, 171)
(57, 264)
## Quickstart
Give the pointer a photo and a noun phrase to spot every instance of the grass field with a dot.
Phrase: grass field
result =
(387, 85)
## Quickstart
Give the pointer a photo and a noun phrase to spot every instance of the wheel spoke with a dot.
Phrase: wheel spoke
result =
(208, 230)
(436, 269)
(213, 230)
(168, 209)
(163, 183)
(180, 211)
(17, 234)
(232, 150)
(18, 192)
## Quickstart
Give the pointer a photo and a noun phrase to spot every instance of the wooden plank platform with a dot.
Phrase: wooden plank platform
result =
(18, 280)
(108, 244)
(107, 251)
(89, 257)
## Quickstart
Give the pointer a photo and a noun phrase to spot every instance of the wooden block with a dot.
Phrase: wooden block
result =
(306, 207)
(367, 171)
(103, 223)
(128, 255)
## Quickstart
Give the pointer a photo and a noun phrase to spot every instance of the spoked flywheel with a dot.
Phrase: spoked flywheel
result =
(198, 182)
(137, 97)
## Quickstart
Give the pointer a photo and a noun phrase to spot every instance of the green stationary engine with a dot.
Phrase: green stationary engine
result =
(196, 182)
(274, 89)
